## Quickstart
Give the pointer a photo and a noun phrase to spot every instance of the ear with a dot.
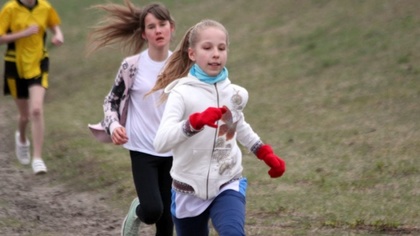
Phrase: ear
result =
(191, 54)
(172, 28)
(172, 31)
(143, 36)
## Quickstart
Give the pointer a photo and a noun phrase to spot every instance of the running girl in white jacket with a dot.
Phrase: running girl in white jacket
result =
(201, 124)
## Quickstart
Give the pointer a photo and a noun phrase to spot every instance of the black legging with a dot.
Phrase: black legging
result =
(153, 185)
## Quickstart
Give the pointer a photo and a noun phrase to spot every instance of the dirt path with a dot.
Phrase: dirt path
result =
(30, 205)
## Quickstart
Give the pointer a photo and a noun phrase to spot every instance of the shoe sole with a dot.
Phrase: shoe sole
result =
(123, 224)
(41, 172)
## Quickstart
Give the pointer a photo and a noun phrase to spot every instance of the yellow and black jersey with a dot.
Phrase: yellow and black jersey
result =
(27, 52)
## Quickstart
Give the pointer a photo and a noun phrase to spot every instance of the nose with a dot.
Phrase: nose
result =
(158, 30)
(216, 53)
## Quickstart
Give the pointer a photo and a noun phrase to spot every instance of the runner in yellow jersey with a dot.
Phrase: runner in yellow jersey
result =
(23, 27)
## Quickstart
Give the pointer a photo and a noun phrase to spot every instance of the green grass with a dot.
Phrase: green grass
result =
(334, 87)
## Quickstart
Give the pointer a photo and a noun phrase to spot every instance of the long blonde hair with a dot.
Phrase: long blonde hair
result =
(179, 63)
(124, 24)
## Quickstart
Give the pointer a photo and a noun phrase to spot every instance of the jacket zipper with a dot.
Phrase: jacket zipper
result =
(214, 143)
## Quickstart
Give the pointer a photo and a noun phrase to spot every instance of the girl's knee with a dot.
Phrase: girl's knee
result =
(150, 215)
(24, 118)
(36, 113)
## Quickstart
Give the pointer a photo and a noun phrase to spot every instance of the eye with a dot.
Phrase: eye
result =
(205, 47)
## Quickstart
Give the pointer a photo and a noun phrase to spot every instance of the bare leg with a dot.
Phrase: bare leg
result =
(23, 118)
(36, 108)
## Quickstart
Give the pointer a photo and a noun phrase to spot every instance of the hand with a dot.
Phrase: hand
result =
(278, 166)
(207, 117)
(57, 40)
(119, 136)
(32, 29)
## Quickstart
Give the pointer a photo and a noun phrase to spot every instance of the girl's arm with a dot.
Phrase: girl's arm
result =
(11, 37)
(247, 137)
(170, 132)
(245, 134)
(113, 100)
(58, 38)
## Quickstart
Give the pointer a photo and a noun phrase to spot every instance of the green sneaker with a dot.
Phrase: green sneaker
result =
(131, 223)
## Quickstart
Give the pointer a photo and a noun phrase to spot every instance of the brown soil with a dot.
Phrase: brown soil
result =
(33, 205)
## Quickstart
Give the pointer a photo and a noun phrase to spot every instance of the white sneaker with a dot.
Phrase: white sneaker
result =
(22, 150)
(131, 223)
(38, 166)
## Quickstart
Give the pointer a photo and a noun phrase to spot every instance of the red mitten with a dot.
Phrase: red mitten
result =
(207, 117)
(278, 166)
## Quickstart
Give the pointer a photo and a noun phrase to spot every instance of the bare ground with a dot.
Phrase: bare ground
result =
(33, 205)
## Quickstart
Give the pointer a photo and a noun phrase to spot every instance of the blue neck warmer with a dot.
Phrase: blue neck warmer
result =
(203, 77)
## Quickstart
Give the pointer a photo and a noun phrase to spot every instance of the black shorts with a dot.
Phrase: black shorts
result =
(19, 87)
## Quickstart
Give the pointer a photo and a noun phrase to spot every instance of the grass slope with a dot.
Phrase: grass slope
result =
(334, 87)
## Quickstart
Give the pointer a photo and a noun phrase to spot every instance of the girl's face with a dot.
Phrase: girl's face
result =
(157, 32)
(210, 51)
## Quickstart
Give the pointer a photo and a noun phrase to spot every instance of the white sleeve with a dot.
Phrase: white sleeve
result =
(245, 134)
(170, 132)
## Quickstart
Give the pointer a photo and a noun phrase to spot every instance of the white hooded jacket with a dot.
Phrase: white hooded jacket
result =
(210, 158)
